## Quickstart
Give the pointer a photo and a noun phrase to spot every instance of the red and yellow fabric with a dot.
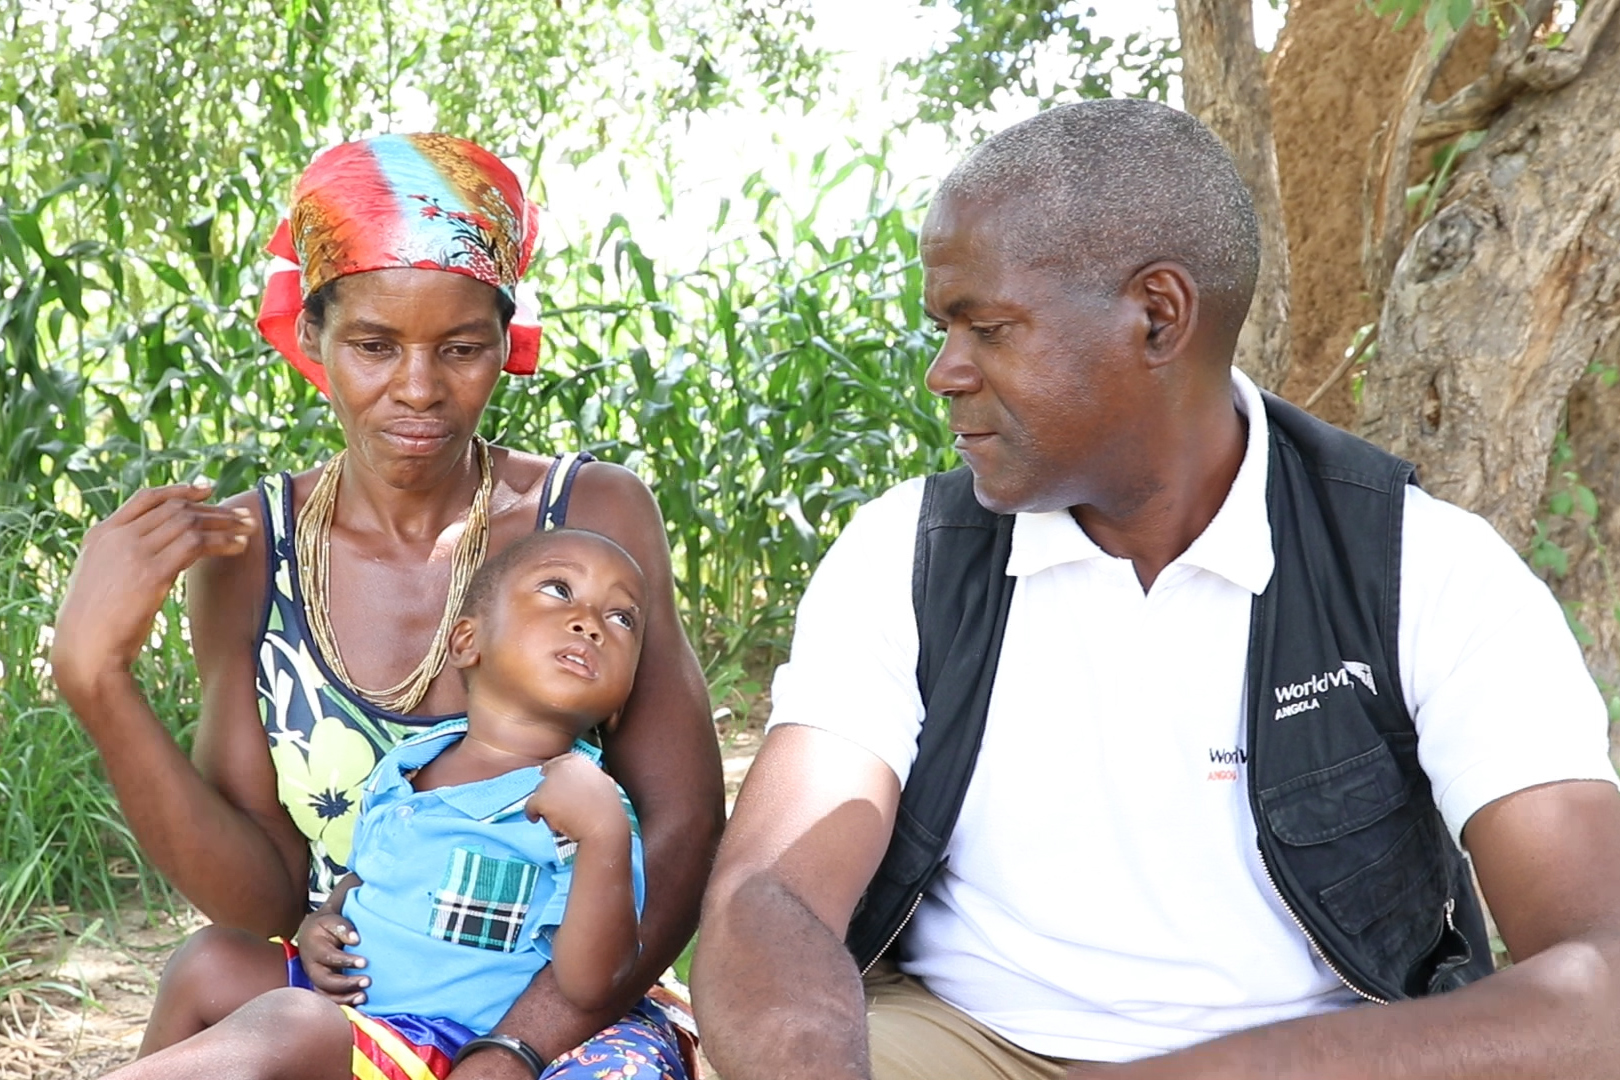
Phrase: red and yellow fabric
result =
(391, 1050)
(432, 202)
(656, 1040)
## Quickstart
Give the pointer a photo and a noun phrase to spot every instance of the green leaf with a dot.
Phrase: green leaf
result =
(1586, 501)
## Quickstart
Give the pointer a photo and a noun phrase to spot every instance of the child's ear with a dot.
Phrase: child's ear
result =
(463, 645)
(611, 724)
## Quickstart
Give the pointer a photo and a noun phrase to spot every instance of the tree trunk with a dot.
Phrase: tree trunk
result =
(1591, 543)
(1504, 298)
(1335, 78)
(1223, 86)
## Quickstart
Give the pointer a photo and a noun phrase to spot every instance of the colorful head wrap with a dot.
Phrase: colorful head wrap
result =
(430, 202)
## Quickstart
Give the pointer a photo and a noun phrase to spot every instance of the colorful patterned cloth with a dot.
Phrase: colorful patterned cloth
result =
(645, 1044)
(324, 738)
(430, 202)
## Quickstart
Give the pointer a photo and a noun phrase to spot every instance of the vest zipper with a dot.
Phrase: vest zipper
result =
(915, 904)
(1317, 949)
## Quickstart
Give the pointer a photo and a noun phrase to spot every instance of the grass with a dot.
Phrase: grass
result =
(64, 844)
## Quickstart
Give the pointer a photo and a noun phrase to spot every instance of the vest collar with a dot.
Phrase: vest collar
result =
(1236, 544)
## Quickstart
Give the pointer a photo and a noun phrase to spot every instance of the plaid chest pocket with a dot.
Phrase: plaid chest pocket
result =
(483, 901)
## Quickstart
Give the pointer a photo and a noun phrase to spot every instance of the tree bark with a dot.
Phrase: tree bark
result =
(1590, 588)
(1504, 299)
(1335, 78)
(1222, 85)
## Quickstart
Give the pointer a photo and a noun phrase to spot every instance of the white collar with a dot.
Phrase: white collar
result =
(1236, 544)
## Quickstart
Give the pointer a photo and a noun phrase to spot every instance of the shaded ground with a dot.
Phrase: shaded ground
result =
(79, 1007)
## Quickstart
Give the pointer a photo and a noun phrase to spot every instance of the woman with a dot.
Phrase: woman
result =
(309, 596)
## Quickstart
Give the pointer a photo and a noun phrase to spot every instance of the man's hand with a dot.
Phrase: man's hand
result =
(811, 825)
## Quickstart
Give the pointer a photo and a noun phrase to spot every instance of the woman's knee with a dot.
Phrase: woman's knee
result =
(218, 969)
(216, 952)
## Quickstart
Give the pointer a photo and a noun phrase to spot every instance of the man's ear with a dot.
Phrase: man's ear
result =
(309, 337)
(1169, 299)
(463, 644)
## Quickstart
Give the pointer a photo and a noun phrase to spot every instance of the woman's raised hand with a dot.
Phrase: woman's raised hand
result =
(126, 567)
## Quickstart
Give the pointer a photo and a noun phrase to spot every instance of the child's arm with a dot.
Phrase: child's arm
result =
(594, 950)
(321, 940)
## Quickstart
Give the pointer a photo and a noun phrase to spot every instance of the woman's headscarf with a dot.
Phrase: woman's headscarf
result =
(425, 201)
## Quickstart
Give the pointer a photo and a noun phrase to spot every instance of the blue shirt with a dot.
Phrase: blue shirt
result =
(460, 892)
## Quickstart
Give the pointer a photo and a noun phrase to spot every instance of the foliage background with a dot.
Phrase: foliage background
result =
(762, 386)
(762, 389)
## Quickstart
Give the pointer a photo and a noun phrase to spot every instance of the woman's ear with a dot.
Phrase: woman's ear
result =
(463, 644)
(309, 337)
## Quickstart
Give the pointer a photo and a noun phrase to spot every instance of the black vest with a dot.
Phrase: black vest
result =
(1347, 825)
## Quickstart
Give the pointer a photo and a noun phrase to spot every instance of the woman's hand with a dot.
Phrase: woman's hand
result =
(126, 568)
(322, 938)
(321, 941)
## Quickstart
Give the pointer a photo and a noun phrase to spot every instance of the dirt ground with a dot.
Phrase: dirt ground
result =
(78, 1009)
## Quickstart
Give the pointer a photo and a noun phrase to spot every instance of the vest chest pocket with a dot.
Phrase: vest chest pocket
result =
(1336, 801)
(1372, 854)
(483, 901)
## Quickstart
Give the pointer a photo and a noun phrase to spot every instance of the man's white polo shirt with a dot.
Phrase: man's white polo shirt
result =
(1104, 899)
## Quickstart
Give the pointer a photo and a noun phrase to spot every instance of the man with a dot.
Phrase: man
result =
(1247, 691)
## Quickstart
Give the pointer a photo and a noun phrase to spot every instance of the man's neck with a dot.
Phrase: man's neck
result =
(1184, 486)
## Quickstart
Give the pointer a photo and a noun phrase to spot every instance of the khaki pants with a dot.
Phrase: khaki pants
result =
(916, 1036)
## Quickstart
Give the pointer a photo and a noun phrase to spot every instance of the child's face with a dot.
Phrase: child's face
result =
(562, 632)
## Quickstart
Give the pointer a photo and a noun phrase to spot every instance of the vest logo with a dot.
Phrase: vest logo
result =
(1296, 698)
(1363, 674)
(1225, 761)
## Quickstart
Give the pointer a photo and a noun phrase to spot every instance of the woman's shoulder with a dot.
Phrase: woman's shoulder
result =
(225, 593)
(518, 473)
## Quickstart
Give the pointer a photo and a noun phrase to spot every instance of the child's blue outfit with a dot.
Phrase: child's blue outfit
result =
(459, 896)
(460, 892)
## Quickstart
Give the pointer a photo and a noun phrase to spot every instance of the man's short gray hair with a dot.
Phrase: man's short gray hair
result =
(1100, 189)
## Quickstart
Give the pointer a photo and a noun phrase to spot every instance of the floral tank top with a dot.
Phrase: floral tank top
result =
(325, 739)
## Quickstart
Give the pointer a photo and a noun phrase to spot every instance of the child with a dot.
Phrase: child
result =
(456, 900)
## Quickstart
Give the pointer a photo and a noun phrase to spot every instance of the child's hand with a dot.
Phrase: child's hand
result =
(578, 800)
(321, 938)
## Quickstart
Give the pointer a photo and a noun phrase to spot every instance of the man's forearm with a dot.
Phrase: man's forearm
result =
(1552, 1016)
(778, 996)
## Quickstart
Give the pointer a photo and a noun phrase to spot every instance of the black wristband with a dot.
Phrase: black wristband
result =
(510, 1043)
